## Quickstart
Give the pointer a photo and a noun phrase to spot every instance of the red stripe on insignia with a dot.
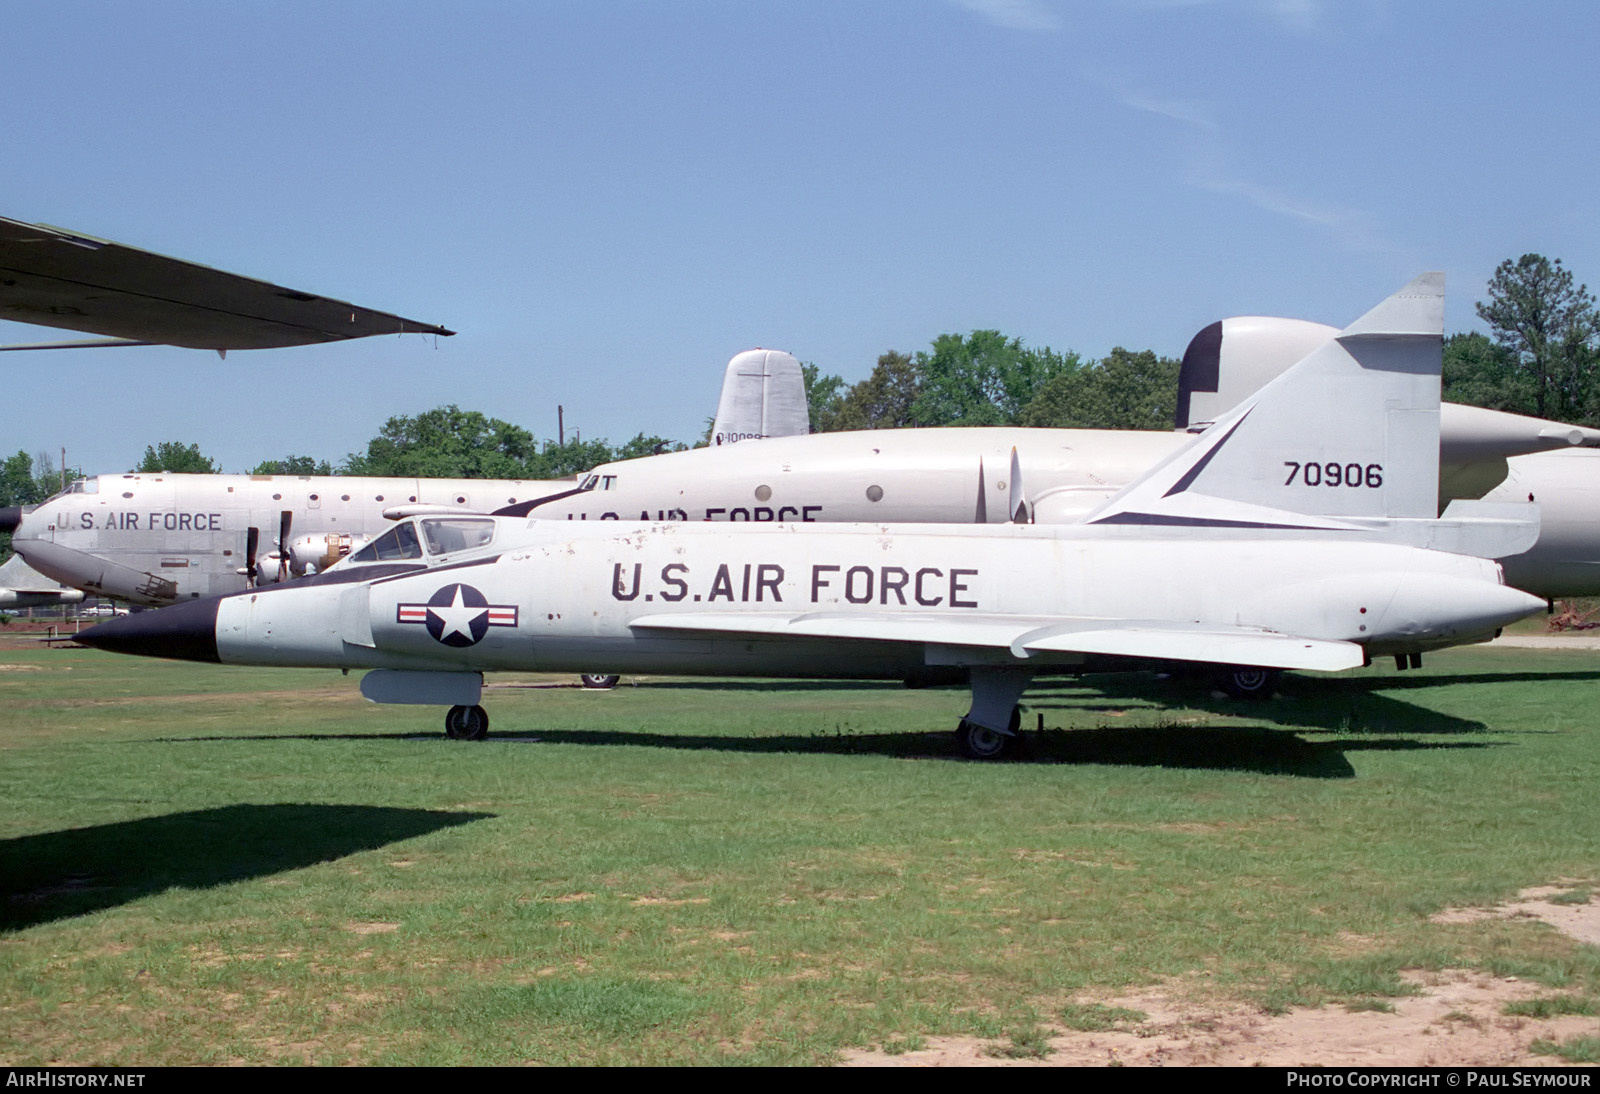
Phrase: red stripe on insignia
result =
(502, 617)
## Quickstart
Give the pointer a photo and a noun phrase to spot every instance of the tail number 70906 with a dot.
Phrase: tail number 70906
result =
(1334, 473)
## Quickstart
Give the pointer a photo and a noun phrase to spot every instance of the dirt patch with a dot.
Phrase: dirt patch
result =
(1456, 1021)
(1575, 920)
(670, 903)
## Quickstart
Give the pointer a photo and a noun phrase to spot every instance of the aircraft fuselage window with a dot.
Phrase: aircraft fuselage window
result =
(397, 544)
(446, 535)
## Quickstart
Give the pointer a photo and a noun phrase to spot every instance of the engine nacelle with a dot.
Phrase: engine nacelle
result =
(311, 554)
(307, 554)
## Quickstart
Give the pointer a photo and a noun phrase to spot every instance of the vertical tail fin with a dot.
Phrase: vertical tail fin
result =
(1352, 430)
(763, 395)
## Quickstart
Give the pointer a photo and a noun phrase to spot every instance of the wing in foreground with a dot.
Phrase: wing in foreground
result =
(1152, 640)
(57, 278)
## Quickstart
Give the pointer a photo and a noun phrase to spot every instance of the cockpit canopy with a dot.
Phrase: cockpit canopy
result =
(90, 485)
(439, 535)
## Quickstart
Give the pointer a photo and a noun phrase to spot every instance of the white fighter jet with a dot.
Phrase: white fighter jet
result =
(1227, 550)
(159, 539)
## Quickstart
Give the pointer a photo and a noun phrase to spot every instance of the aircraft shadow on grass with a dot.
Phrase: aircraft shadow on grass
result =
(1353, 710)
(1361, 718)
(1255, 749)
(1339, 704)
(1414, 680)
(57, 875)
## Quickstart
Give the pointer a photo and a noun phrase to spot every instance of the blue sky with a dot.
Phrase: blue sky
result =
(609, 199)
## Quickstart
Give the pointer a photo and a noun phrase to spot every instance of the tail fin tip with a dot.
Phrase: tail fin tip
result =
(1416, 310)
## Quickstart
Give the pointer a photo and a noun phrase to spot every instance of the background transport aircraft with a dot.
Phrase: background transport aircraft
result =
(1209, 555)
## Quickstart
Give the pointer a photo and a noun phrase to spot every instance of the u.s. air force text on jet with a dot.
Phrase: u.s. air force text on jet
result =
(758, 582)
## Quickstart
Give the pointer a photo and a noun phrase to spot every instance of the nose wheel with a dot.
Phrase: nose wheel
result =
(599, 681)
(466, 724)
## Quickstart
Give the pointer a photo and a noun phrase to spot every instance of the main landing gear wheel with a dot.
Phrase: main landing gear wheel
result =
(1249, 682)
(979, 743)
(599, 681)
(466, 724)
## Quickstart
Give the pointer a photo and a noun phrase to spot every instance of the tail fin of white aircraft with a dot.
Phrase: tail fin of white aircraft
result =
(1351, 431)
(1230, 360)
(763, 395)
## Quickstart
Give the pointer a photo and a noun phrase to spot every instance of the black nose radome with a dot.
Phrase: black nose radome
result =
(10, 518)
(184, 632)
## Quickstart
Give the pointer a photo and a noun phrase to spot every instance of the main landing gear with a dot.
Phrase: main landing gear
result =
(1248, 681)
(991, 729)
(599, 681)
(978, 743)
(466, 724)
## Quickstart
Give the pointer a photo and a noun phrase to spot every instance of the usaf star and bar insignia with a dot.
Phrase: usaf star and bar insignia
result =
(458, 615)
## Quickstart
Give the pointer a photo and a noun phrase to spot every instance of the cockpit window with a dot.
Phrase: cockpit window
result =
(447, 535)
(398, 543)
(79, 486)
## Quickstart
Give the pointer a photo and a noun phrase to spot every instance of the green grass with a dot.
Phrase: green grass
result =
(202, 864)
(1031, 1043)
(1096, 1017)
(1577, 1050)
(1552, 1006)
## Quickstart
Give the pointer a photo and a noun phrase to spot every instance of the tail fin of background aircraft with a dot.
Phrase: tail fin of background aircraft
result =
(763, 395)
(1231, 360)
(1350, 431)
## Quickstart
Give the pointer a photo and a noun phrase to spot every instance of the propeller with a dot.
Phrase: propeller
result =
(1021, 511)
(252, 543)
(981, 514)
(285, 519)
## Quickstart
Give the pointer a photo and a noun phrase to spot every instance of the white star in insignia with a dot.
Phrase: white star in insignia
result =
(457, 618)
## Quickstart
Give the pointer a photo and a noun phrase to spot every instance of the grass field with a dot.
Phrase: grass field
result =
(208, 865)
